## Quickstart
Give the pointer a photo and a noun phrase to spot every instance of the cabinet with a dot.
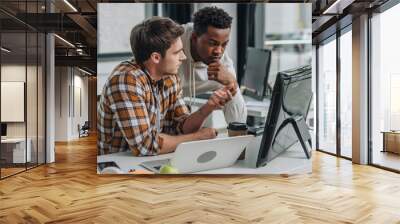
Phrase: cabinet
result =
(391, 141)
(13, 150)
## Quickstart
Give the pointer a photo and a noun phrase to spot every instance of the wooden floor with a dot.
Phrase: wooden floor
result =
(10, 171)
(387, 159)
(70, 191)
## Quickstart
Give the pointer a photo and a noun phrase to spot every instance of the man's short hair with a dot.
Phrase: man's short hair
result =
(210, 16)
(156, 34)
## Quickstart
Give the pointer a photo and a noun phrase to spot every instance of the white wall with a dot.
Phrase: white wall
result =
(67, 115)
(14, 72)
(80, 84)
(115, 22)
(61, 103)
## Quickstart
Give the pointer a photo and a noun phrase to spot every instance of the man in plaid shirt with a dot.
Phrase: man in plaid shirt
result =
(141, 107)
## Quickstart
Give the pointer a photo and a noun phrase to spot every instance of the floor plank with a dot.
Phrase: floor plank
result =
(70, 191)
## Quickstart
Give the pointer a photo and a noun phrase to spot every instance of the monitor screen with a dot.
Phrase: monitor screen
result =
(3, 129)
(256, 72)
(291, 98)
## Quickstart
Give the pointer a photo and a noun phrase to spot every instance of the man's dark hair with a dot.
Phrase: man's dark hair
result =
(210, 16)
(156, 34)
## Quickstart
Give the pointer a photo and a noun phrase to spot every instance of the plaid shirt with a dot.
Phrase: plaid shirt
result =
(127, 111)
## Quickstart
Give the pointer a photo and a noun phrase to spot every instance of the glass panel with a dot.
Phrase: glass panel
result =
(13, 85)
(327, 97)
(346, 94)
(285, 23)
(31, 87)
(312, 112)
(23, 89)
(41, 99)
(31, 98)
(385, 86)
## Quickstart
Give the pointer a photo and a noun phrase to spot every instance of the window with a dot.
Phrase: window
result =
(385, 88)
(346, 94)
(327, 97)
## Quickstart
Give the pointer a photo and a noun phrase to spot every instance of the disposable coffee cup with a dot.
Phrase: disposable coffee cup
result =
(237, 129)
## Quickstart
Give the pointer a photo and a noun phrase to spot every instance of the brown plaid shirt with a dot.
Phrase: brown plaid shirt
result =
(127, 111)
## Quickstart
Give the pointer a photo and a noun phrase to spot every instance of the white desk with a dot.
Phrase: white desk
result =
(217, 119)
(16, 147)
(293, 161)
(254, 108)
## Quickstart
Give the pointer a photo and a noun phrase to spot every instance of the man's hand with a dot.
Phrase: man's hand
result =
(232, 87)
(206, 133)
(219, 98)
(217, 72)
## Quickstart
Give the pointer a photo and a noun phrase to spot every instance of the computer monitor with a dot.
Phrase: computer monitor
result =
(255, 80)
(286, 119)
(3, 129)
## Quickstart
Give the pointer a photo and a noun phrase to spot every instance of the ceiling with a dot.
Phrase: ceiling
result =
(76, 22)
(331, 15)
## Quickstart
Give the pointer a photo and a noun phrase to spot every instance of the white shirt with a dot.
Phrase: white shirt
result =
(195, 80)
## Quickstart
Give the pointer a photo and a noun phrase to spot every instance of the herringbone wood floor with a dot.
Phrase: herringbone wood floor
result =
(69, 191)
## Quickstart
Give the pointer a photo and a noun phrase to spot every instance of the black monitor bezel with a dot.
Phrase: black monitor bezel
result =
(247, 91)
(3, 129)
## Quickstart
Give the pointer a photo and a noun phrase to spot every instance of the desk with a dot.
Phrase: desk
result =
(293, 161)
(254, 108)
(216, 120)
(13, 150)
(391, 141)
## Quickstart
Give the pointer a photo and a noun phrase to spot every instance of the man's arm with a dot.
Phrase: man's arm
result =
(216, 101)
(171, 142)
(224, 74)
(190, 125)
(218, 72)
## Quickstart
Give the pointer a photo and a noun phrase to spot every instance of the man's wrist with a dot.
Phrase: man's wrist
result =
(206, 109)
(229, 78)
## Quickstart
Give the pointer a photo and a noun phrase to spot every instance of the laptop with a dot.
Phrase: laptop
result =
(196, 156)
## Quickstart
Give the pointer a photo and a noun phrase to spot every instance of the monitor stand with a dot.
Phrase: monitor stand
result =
(301, 129)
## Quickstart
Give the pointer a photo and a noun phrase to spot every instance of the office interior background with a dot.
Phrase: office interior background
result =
(49, 86)
(49, 73)
(48, 82)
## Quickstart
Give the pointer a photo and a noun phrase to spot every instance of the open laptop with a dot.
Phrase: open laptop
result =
(196, 156)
